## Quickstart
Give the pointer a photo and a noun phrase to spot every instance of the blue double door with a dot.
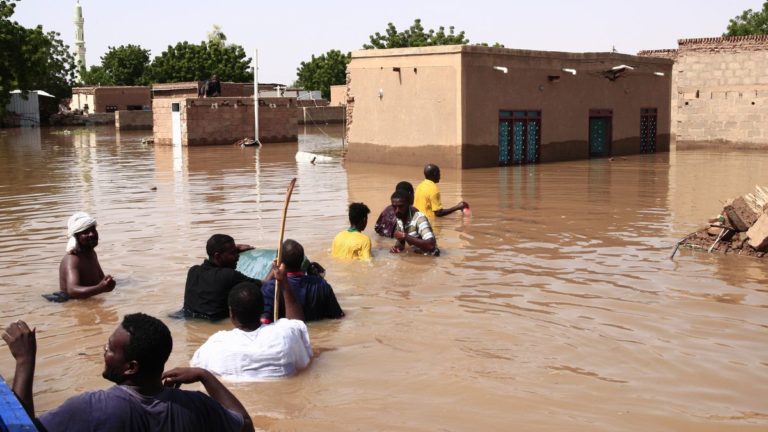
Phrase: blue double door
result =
(519, 137)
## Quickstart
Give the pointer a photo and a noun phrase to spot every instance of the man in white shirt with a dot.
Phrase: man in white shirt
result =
(252, 351)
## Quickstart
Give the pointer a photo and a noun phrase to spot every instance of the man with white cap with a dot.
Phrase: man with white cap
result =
(80, 274)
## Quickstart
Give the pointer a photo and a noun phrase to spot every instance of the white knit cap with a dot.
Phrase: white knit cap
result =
(78, 222)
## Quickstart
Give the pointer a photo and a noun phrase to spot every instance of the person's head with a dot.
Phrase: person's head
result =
(401, 203)
(222, 251)
(246, 304)
(358, 215)
(81, 232)
(137, 350)
(293, 255)
(214, 77)
(432, 172)
(406, 187)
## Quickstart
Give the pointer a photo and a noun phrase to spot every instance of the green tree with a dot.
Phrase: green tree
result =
(415, 36)
(31, 59)
(749, 23)
(194, 62)
(123, 65)
(320, 73)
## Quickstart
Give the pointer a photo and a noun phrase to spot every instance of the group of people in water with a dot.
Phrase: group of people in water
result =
(146, 397)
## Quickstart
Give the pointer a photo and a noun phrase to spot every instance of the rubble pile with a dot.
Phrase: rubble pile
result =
(741, 228)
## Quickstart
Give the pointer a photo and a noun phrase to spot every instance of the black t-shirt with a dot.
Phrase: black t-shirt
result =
(207, 289)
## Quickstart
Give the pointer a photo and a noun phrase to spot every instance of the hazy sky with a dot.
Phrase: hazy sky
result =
(288, 32)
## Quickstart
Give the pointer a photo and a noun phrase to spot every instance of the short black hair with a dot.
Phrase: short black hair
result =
(247, 303)
(405, 186)
(216, 244)
(358, 212)
(150, 343)
(293, 255)
(400, 194)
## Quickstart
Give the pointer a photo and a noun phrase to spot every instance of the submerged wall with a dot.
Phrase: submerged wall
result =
(216, 121)
(720, 89)
(130, 120)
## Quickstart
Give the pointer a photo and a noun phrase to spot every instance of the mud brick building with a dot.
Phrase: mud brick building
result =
(108, 99)
(471, 106)
(190, 121)
(719, 89)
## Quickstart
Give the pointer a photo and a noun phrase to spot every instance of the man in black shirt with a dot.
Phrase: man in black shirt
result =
(208, 284)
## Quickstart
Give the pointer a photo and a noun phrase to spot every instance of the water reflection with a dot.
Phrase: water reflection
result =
(554, 304)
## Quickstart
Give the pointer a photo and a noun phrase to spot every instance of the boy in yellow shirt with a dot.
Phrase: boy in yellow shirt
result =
(352, 243)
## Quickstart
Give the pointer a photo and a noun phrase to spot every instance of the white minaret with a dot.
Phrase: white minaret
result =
(79, 38)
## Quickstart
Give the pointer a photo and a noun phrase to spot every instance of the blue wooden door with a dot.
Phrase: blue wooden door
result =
(599, 136)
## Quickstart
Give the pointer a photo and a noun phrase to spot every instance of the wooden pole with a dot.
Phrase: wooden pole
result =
(276, 308)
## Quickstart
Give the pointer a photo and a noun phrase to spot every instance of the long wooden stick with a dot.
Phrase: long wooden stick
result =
(276, 308)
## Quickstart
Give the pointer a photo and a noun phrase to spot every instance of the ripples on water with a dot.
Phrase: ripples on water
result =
(553, 307)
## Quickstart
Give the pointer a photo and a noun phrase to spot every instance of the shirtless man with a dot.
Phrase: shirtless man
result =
(80, 274)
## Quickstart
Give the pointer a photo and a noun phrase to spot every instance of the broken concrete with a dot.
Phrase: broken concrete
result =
(758, 234)
(741, 214)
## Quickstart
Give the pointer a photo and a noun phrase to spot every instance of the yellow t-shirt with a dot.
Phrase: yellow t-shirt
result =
(351, 244)
(427, 198)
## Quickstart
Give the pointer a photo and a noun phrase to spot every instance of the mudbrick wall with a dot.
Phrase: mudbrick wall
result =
(127, 120)
(720, 89)
(213, 121)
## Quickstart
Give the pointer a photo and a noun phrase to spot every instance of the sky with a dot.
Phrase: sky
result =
(290, 31)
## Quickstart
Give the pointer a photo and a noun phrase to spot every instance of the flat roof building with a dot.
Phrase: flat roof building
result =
(107, 99)
(468, 106)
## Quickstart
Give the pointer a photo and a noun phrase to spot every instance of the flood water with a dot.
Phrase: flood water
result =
(553, 307)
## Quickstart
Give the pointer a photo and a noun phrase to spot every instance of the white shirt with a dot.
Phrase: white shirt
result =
(271, 351)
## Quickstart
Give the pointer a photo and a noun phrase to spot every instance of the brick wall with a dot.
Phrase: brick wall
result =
(214, 121)
(129, 120)
(720, 89)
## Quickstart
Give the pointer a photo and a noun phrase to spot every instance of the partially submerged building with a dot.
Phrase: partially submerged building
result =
(108, 99)
(180, 117)
(23, 109)
(471, 106)
(719, 89)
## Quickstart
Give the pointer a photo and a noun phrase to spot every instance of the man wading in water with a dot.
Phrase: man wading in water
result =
(80, 274)
(412, 228)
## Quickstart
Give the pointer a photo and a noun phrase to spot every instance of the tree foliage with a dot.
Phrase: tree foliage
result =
(749, 23)
(415, 36)
(31, 59)
(320, 73)
(123, 65)
(194, 62)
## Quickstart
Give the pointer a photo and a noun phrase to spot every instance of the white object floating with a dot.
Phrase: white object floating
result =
(312, 158)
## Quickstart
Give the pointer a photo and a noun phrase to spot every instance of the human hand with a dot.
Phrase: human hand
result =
(278, 272)
(316, 269)
(183, 375)
(395, 249)
(21, 341)
(243, 248)
(108, 283)
(464, 205)
(400, 235)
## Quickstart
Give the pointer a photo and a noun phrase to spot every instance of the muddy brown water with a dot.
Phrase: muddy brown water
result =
(553, 307)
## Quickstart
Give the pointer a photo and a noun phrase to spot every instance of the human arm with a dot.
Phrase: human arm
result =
(23, 346)
(215, 389)
(70, 280)
(293, 309)
(445, 212)
(403, 238)
(243, 248)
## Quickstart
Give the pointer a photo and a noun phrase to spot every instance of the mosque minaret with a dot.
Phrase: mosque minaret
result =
(79, 37)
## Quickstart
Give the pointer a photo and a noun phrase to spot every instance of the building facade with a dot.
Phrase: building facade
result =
(108, 99)
(471, 106)
(719, 89)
